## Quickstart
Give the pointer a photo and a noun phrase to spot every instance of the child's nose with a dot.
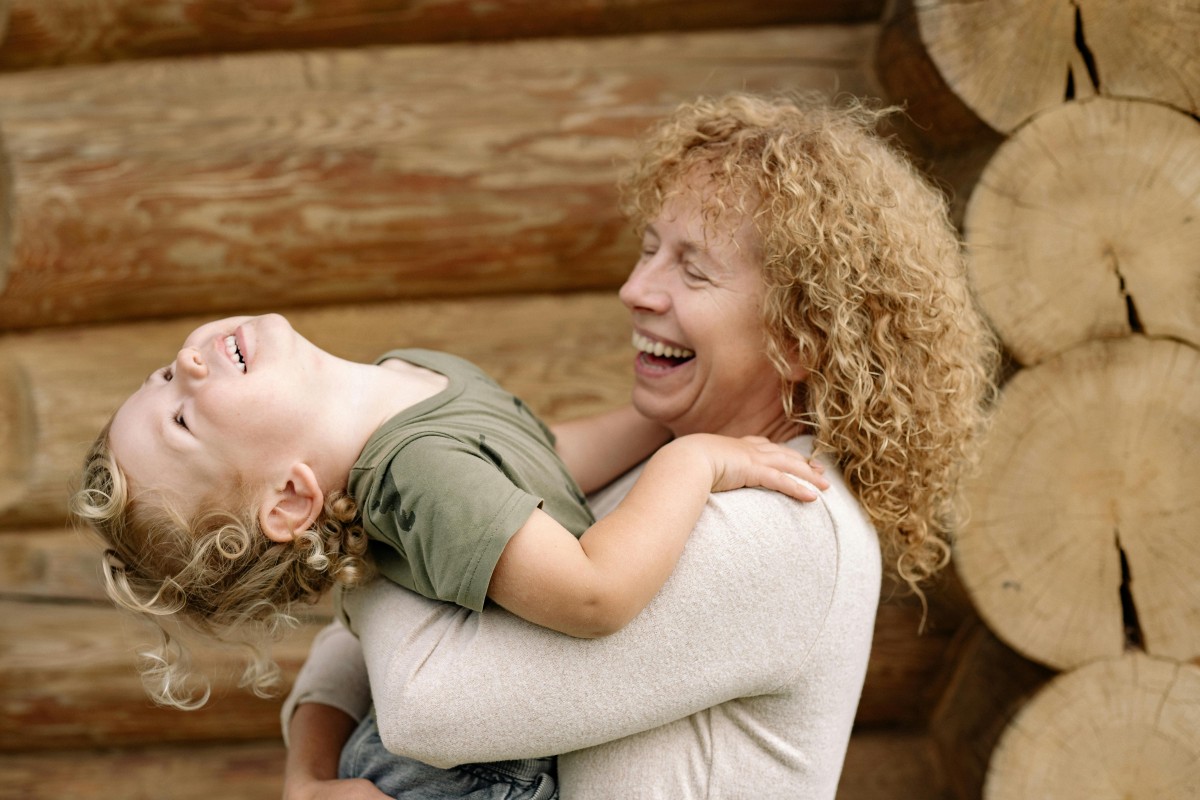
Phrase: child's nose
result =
(189, 362)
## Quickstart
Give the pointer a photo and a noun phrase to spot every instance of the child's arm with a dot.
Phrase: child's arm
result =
(599, 448)
(594, 585)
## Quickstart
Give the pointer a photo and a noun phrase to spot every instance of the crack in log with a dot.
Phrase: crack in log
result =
(1131, 312)
(1089, 63)
(1133, 628)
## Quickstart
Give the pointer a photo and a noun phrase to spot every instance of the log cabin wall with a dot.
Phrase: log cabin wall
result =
(437, 174)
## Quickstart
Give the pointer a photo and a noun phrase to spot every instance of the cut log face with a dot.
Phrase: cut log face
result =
(1125, 729)
(1086, 224)
(1011, 59)
(1090, 472)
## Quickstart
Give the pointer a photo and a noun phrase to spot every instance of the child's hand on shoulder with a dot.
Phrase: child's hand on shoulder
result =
(756, 461)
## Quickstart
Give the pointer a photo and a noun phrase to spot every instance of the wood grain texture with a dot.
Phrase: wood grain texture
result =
(1120, 729)
(161, 188)
(987, 685)
(1082, 537)
(566, 355)
(1086, 225)
(54, 32)
(897, 765)
(1012, 59)
(58, 625)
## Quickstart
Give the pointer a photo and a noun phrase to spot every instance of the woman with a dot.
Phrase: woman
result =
(799, 281)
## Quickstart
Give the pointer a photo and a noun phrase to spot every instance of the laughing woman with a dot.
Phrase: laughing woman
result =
(805, 285)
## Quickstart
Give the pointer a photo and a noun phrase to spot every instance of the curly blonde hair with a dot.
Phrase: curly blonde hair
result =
(213, 573)
(865, 284)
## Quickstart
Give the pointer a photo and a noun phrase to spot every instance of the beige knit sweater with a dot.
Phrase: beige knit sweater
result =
(741, 678)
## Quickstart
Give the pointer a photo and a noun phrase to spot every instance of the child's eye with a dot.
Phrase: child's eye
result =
(179, 420)
(167, 373)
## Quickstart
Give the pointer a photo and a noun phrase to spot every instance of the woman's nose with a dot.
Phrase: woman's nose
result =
(189, 362)
(643, 290)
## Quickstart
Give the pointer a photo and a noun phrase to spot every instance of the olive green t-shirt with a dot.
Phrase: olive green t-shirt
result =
(444, 484)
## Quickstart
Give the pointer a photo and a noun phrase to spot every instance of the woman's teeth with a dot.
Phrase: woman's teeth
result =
(232, 349)
(654, 348)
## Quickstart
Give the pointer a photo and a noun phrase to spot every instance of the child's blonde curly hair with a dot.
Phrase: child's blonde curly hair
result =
(215, 573)
(865, 285)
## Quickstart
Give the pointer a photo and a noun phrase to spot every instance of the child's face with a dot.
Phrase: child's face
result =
(236, 401)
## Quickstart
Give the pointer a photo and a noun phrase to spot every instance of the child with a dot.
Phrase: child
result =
(242, 478)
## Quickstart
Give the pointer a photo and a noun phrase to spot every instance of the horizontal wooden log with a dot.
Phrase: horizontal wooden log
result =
(879, 766)
(159, 188)
(1082, 537)
(1012, 59)
(567, 355)
(1085, 225)
(68, 673)
(68, 679)
(53, 32)
(987, 684)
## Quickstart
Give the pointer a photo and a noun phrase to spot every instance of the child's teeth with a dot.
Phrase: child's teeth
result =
(232, 349)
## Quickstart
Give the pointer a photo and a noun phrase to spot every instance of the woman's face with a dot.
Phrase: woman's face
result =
(696, 296)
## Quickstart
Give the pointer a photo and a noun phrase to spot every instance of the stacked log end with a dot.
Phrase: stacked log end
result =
(1012, 59)
(1080, 557)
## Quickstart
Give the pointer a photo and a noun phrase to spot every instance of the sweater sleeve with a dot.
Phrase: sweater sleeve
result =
(334, 675)
(736, 619)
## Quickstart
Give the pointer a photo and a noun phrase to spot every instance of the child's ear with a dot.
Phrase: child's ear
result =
(294, 507)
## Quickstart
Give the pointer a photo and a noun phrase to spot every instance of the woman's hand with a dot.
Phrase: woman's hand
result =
(756, 461)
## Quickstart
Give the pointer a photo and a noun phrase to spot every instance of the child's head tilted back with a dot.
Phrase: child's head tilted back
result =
(211, 514)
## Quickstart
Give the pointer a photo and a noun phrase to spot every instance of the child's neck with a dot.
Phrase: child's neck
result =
(368, 395)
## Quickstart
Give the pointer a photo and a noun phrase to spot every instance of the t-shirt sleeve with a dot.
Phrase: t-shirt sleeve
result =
(443, 512)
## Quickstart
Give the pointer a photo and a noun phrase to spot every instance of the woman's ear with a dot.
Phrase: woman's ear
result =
(292, 507)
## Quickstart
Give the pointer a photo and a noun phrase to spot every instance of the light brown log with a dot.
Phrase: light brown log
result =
(988, 684)
(68, 679)
(193, 185)
(1012, 59)
(937, 119)
(879, 766)
(50, 578)
(1091, 463)
(1121, 729)
(567, 355)
(51, 32)
(1086, 224)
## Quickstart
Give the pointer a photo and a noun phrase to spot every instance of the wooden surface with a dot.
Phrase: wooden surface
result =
(1011, 59)
(1120, 729)
(162, 188)
(987, 686)
(879, 766)
(1086, 224)
(1088, 493)
(68, 661)
(52, 32)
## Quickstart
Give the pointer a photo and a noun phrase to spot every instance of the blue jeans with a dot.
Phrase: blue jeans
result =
(364, 756)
